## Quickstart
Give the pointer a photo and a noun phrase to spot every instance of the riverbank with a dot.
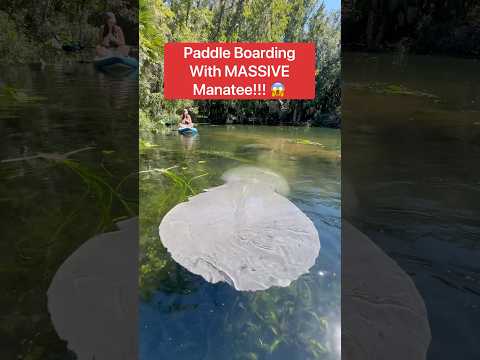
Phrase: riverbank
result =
(42, 33)
(328, 120)
(291, 22)
(428, 27)
(331, 121)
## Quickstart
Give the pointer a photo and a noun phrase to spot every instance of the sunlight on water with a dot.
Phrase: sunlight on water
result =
(183, 316)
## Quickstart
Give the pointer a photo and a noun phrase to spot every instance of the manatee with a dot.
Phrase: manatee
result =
(245, 232)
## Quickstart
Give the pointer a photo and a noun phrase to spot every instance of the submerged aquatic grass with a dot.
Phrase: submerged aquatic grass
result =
(103, 192)
(213, 321)
(305, 142)
(70, 201)
(160, 190)
(393, 89)
(10, 95)
(52, 209)
(145, 146)
(282, 320)
(97, 184)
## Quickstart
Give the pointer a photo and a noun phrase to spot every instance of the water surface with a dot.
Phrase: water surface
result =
(411, 155)
(185, 317)
(52, 204)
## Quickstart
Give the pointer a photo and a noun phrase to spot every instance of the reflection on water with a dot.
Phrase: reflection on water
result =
(411, 149)
(383, 315)
(92, 299)
(185, 317)
(71, 132)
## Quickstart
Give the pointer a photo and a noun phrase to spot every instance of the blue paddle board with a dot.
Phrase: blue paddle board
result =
(116, 62)
(188, 131)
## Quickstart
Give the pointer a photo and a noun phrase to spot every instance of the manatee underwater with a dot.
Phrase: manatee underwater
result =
(244, 232)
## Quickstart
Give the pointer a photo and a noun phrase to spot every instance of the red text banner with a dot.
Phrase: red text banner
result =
(239, 71)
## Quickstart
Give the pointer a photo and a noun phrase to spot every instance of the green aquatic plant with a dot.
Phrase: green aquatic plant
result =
(108, 152)
(65, 198)
(392, 89)
(104, 193)
(97, 185)
(403, 90)
(58, 222)
(281, 319)
(144, 145)
(305, 142)
(223, 154)
(54, 156)
(13, 95)
(287, 322)
(181, 183)
(160, 190)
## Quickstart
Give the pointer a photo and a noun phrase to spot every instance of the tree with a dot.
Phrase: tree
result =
(238, 20)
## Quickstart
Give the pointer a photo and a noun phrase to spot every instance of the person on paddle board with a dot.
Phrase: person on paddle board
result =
(111, 38)
(186, 120)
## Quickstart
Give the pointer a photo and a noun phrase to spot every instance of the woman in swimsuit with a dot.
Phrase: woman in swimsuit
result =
(111, 38)
(186, 120)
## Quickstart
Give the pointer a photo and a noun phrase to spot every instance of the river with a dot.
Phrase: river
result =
(410, 161)
(52, 201)
(182, 316)
(410, 155)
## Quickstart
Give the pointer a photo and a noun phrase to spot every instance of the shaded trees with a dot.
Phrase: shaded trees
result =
(425, 26)
(37, 27)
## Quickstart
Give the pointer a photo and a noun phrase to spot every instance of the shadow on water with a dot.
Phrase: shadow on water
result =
(411, 149)
(184, 317)
(71, 173)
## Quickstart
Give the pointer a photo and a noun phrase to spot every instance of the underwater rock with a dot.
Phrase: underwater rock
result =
(93, 297)
(243, 232)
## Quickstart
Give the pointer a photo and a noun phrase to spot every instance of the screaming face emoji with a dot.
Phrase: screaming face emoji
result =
(278, 89)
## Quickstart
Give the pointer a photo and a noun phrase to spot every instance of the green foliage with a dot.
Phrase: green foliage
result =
(156, 28)
(13, 42)
(422, 26)
(34, 30)
(239, 20)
